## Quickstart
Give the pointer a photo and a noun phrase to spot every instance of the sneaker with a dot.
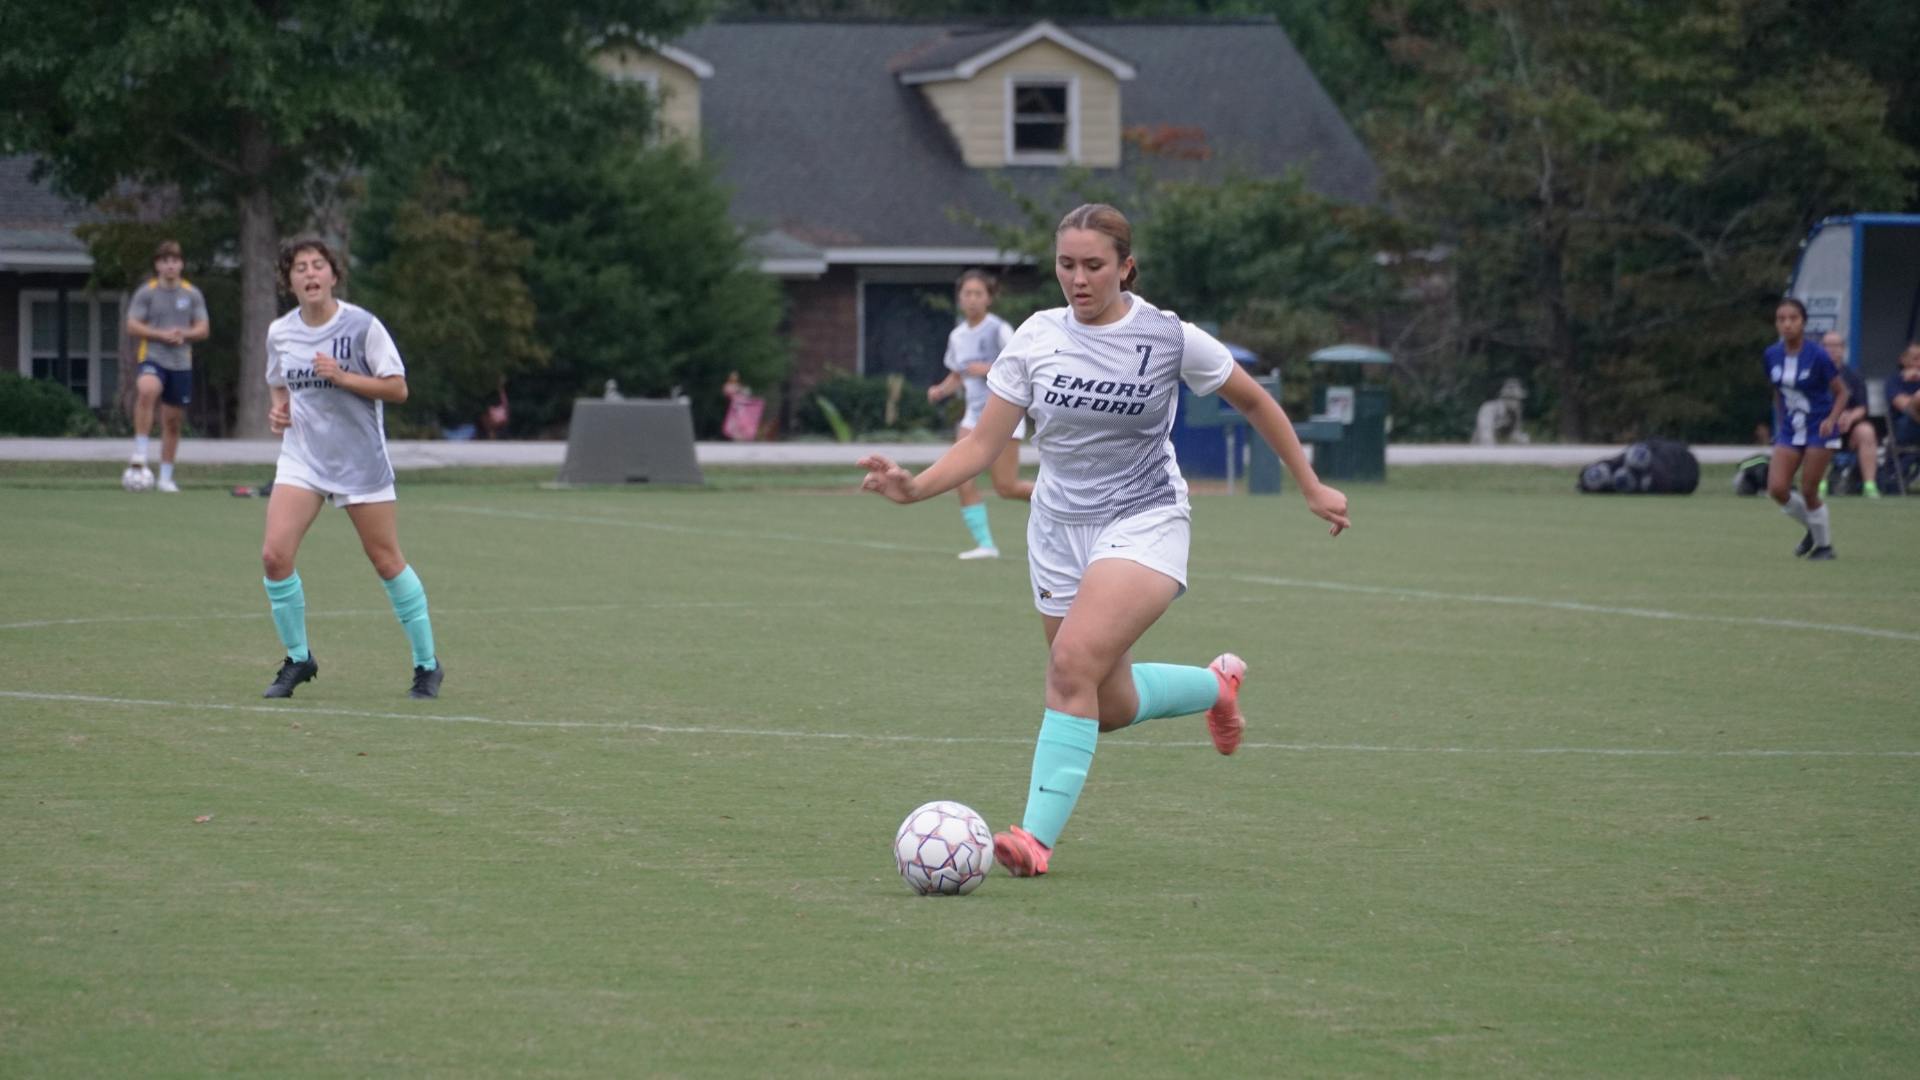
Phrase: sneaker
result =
(1020, 853)
(1224, 721)
(1805, 545)
(292, 673)
(167, 487)
(981, 553)
(1821, 554)
(1870, 489)
(426, 684)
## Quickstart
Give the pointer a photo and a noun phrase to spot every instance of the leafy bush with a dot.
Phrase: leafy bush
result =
(39, 407)
(863, 405)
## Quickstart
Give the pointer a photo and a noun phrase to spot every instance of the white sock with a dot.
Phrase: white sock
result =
(166, 472)
(1796, 509)
(1817, 525)
(140, 448)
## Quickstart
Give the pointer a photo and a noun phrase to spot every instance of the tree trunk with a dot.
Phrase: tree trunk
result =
(1559, 339)
(259, 291)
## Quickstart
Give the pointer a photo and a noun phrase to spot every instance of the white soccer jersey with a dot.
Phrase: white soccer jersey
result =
(976, 345)
(338, 438)
(1102, 399)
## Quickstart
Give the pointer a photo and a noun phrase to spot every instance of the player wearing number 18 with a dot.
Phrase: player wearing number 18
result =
(1107, 538)
(331, 366)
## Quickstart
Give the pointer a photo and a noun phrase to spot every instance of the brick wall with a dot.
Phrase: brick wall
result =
(823, 321)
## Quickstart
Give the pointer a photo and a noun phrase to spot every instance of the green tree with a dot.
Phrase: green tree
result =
(1625, 184)
(635, 271)
(451, 291)
(250, 103)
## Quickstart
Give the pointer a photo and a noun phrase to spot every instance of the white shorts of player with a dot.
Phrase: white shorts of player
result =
(972, 420)
(1058, 554)
(293, 475)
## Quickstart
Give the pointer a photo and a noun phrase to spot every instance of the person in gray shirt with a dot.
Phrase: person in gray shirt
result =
(166, 315)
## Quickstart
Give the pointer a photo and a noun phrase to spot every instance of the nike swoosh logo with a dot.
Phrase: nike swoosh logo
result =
(1051, 791)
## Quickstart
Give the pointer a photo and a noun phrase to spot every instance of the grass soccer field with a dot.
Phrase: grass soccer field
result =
(1536, 784)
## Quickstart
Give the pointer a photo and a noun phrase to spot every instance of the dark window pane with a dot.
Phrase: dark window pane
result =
(1040, 102)
(1041, 137)
(1040, 118)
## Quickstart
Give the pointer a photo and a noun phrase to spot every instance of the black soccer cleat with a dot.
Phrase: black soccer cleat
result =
(293, 673)
(426, 684)
(1805, 545)
(1821, 554)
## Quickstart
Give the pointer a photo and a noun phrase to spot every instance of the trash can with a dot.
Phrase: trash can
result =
(1359, 411)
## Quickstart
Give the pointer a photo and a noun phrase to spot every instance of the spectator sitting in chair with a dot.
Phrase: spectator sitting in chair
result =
(1903, 399)
(1854, 427)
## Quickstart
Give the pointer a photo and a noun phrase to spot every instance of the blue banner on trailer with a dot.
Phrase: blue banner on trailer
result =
(1861, 275)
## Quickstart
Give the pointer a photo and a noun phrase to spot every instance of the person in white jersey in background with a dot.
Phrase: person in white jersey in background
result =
(971, 349)
(331, 366)
(166, 315)
(1107, 539)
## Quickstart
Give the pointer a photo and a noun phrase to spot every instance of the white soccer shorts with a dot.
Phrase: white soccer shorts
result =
(293, 475)
(1058, 554)
(972, 420)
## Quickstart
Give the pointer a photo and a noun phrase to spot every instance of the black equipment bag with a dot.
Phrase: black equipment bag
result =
(1651, 467)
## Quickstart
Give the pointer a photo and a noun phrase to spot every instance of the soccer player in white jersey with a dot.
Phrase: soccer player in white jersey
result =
(1808, 397)
(331, 367)
(971, 350)
(1107, 538)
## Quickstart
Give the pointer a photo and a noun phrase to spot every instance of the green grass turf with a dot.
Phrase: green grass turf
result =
(396, 889)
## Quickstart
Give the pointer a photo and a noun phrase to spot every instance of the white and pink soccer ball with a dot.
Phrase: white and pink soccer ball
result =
(943, 849)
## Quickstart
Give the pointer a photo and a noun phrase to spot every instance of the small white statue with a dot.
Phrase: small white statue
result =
(1499, 419)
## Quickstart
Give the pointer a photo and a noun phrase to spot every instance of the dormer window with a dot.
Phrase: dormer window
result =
(1038, 96)
(1042, 122)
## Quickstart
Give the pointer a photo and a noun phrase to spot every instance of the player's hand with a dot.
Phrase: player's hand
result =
(888, 479)
(1826, 428)
(933, 393)
(1330, 504)
(280, 418)
(326, 367)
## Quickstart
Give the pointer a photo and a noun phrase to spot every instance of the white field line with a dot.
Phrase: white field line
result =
(663, 729)
(1569, 605)
(661, 606)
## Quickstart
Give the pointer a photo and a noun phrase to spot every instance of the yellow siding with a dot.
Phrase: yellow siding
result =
(976, 110)
(679, 102)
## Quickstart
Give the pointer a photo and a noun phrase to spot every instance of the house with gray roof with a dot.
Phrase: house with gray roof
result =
(43, 271)
(858, 151)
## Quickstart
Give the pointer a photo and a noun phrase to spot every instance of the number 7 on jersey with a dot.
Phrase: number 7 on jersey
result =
(1146, 354)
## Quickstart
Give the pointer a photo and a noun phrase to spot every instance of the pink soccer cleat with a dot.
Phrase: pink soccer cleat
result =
(1224, 721)
(1020, 853)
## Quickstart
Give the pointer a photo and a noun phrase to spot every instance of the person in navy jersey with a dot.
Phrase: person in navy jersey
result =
(1808, 396)
(1903, 399)
(1855, 428)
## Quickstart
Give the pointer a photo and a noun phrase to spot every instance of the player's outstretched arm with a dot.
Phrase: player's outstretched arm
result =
(1271, 422)
(967, 459)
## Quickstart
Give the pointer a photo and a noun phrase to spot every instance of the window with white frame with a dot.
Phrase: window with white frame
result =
(91, 364)
(1040, 121)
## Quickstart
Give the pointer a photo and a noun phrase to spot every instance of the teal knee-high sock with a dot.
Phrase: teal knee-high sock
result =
(976, 519)
(1173, 690)
(289, 602)
(410, 604)
(1060, 761)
